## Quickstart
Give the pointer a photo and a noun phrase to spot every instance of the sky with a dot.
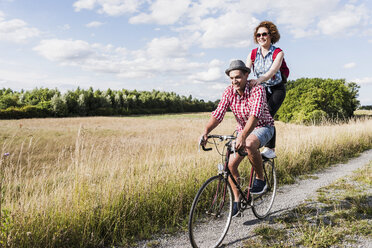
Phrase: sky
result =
(183, 46)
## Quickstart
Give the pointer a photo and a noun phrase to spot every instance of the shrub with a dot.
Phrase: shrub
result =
(309, 100)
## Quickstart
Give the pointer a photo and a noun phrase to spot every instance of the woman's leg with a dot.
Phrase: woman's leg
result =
(274, 101)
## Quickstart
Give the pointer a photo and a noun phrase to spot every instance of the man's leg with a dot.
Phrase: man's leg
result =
(254, 156)
(233, 166)
(259, 136)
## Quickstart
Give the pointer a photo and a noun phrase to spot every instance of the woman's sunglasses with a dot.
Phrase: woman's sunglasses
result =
(258, 35)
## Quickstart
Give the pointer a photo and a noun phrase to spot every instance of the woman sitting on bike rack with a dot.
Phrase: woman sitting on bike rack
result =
(255, 124)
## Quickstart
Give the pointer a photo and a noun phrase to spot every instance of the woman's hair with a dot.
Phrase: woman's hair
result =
(273, 31)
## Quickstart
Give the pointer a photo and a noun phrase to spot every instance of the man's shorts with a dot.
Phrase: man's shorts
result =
(264, 134)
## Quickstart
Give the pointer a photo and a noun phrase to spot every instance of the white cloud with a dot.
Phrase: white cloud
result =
(349, 17)
(163, 12)
(64, 50)
(311, 18)
(66, 27)
(160, 56)
(219, 86)
(213, 73)
(109, 7)
(94, 24)
(16, 30)
(300, 16)
(84, 4)
(295, 13)
(228, 30)
(230, 23)
(350, 65)
(166, 47)
(364, 81)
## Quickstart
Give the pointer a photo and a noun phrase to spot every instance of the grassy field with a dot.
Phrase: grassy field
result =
(340, 216)
(88, 182)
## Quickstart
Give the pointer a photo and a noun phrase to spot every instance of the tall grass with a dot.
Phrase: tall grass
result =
(87, 182)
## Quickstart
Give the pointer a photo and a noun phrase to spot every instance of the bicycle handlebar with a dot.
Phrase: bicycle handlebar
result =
(222, 138)
(206, 149)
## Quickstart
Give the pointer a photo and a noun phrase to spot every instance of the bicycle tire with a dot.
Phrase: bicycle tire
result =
(261, 204)
(211, 213)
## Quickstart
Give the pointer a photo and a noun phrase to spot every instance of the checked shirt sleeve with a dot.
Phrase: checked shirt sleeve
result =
(258, 96)
(224, 103)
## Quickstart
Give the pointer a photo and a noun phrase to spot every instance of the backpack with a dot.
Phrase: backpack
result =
(284, 70)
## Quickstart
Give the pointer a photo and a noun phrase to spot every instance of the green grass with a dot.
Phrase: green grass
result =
(340, 214)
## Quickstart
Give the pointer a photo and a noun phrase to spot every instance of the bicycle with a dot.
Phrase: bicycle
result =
(213, 203)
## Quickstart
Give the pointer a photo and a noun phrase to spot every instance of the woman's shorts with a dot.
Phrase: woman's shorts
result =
(264, 134)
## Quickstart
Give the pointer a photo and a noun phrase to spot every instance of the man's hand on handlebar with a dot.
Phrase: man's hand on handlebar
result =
(240, 143)
(203, 140)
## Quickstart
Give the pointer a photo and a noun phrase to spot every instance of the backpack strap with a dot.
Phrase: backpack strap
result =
(253, 56)
(276, 51)
(284, 70)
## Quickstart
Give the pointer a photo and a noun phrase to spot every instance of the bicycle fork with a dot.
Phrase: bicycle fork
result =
(215, 198)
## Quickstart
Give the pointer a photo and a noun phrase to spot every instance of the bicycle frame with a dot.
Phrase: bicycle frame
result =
(213, 204)
(227, 174)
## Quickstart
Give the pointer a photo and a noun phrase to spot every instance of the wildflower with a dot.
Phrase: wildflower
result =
(6, 154)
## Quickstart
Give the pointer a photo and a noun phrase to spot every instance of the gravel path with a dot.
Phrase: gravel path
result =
(288, 197)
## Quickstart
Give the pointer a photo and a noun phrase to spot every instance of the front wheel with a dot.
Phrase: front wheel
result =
(211, 212)
(261, 204)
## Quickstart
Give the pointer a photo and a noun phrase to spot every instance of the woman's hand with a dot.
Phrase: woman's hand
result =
(253, 82)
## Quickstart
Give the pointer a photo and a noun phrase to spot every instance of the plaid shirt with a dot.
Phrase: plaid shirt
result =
(253, 102)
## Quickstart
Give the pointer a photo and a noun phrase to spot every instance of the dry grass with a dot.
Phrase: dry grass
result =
(106, 180)
(363, 112)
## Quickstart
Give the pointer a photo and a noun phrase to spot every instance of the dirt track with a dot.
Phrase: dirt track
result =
(288, 197)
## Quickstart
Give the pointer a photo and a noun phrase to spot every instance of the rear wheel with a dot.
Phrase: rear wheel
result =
(211, 212)
(262, 203)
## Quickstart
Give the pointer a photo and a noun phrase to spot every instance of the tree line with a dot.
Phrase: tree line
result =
(44, 102)
(308, 100)
(366, 107)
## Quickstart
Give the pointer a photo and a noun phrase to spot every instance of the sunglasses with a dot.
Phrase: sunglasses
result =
(258, 35)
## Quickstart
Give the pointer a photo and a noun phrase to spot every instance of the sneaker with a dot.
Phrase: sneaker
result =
(235, 211)
(268, 153)
(259, 187)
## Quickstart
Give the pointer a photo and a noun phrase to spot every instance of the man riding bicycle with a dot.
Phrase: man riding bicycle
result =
(255, 124)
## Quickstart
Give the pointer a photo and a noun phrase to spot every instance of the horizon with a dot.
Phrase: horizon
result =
(141, 45)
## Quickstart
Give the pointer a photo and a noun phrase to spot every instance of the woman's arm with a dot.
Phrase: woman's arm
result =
(273, 69)
(249, 61)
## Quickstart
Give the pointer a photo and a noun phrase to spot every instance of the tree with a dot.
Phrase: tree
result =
(8, 100)
(82, 104)
(312, 99)
(59, 106)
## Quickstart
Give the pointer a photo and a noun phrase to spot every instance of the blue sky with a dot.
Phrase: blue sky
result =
(176, 45)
